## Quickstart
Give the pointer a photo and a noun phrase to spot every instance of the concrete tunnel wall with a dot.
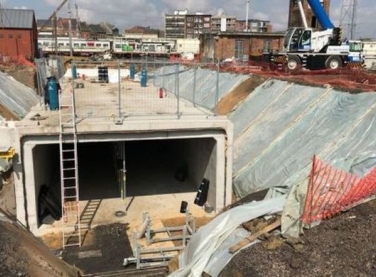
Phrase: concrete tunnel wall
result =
(45, 172)
(203, 151)
(201, 156)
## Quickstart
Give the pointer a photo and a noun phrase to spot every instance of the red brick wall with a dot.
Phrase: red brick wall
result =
(16, 42)
(253, 46)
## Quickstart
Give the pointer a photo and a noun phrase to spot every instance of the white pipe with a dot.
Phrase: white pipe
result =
(304, 19)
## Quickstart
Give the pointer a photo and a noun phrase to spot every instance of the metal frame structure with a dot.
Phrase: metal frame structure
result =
(142, 256)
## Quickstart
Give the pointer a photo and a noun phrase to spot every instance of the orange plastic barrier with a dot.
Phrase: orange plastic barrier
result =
(331, 191)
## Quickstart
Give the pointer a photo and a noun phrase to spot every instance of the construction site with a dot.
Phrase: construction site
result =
(158, 167)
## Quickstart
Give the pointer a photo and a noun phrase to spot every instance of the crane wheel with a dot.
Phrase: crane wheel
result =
(333, 62)
(293, 64)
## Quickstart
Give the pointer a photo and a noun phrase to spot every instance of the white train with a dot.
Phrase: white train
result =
(118, 47)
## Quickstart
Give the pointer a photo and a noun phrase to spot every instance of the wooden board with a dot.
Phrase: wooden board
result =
(254, 236)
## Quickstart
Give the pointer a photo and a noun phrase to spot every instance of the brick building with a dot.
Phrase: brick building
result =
(18, 33)
(241, 46)
(295, 18)
(182, 24)
(254, 26)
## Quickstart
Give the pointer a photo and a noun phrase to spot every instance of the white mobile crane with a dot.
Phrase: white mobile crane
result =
(307, 48)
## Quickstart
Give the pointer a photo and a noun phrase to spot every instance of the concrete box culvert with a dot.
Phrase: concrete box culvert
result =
(151, 164)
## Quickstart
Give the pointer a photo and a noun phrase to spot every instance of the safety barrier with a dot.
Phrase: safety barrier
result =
(331, 191)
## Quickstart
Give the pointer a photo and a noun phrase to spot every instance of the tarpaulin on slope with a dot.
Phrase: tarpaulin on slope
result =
(280, 126)
(15, 96)
(205, 250)
(197, 85)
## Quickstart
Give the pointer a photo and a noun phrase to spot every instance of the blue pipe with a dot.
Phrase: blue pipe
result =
(321, 15)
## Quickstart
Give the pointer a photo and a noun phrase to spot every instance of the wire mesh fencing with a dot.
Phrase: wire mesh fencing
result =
(119, 89)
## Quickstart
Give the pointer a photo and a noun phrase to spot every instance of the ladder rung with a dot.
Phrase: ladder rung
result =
(72, 244)
(70, 187)
(72, 234)
(69, 178)
(68, 160)
(70, 197)
(68, 150)
(71, 168)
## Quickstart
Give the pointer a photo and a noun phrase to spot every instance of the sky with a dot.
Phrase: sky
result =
(129, 13)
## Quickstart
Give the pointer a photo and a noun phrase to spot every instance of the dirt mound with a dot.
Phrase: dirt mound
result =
(23, 73)
(341, 246)
(228, 103)
(22, 254)
(345, 79)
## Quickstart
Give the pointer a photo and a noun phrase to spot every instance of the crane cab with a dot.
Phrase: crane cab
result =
(298, 40)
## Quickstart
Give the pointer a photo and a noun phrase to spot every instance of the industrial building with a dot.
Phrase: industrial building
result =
(18, 34)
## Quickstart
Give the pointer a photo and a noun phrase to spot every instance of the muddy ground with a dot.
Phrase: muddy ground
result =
(342, 246)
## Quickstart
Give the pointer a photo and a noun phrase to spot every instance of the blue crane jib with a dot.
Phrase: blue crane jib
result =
(320, 14)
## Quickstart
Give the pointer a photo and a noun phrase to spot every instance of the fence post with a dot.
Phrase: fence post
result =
(155, 76)
(163, 75)
(119, 92)
(177, 93)
(194, 86)
(216, 91)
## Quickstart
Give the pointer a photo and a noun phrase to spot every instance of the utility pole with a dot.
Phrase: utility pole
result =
(70, 28)
(78, 22)
(348, 18)
(55, 33)
(246, 16)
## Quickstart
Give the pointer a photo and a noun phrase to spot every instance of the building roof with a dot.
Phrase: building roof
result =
(41, 22)
(16, 18)
(97, 29)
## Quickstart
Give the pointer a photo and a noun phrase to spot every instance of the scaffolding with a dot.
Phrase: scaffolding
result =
(348, 18)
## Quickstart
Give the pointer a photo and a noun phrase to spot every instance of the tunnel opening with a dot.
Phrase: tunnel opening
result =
(120, 171)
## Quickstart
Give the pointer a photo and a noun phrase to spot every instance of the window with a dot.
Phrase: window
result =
(19, 36)
(10, 36)
(238, 49)
(267, 46)
(1, 36)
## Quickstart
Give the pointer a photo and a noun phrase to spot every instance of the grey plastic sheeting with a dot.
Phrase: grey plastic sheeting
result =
(281, 126)
(15, 96)
(201, 89)
(208, 248)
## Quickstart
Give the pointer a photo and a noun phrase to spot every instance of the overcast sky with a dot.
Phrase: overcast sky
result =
(128, 13)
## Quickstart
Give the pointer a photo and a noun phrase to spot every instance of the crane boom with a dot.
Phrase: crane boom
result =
(321, 15)
(52, 15)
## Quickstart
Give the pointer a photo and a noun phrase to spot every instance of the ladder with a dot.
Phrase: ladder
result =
(71, 225)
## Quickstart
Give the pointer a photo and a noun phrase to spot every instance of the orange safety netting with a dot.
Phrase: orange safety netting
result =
(331, 191)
